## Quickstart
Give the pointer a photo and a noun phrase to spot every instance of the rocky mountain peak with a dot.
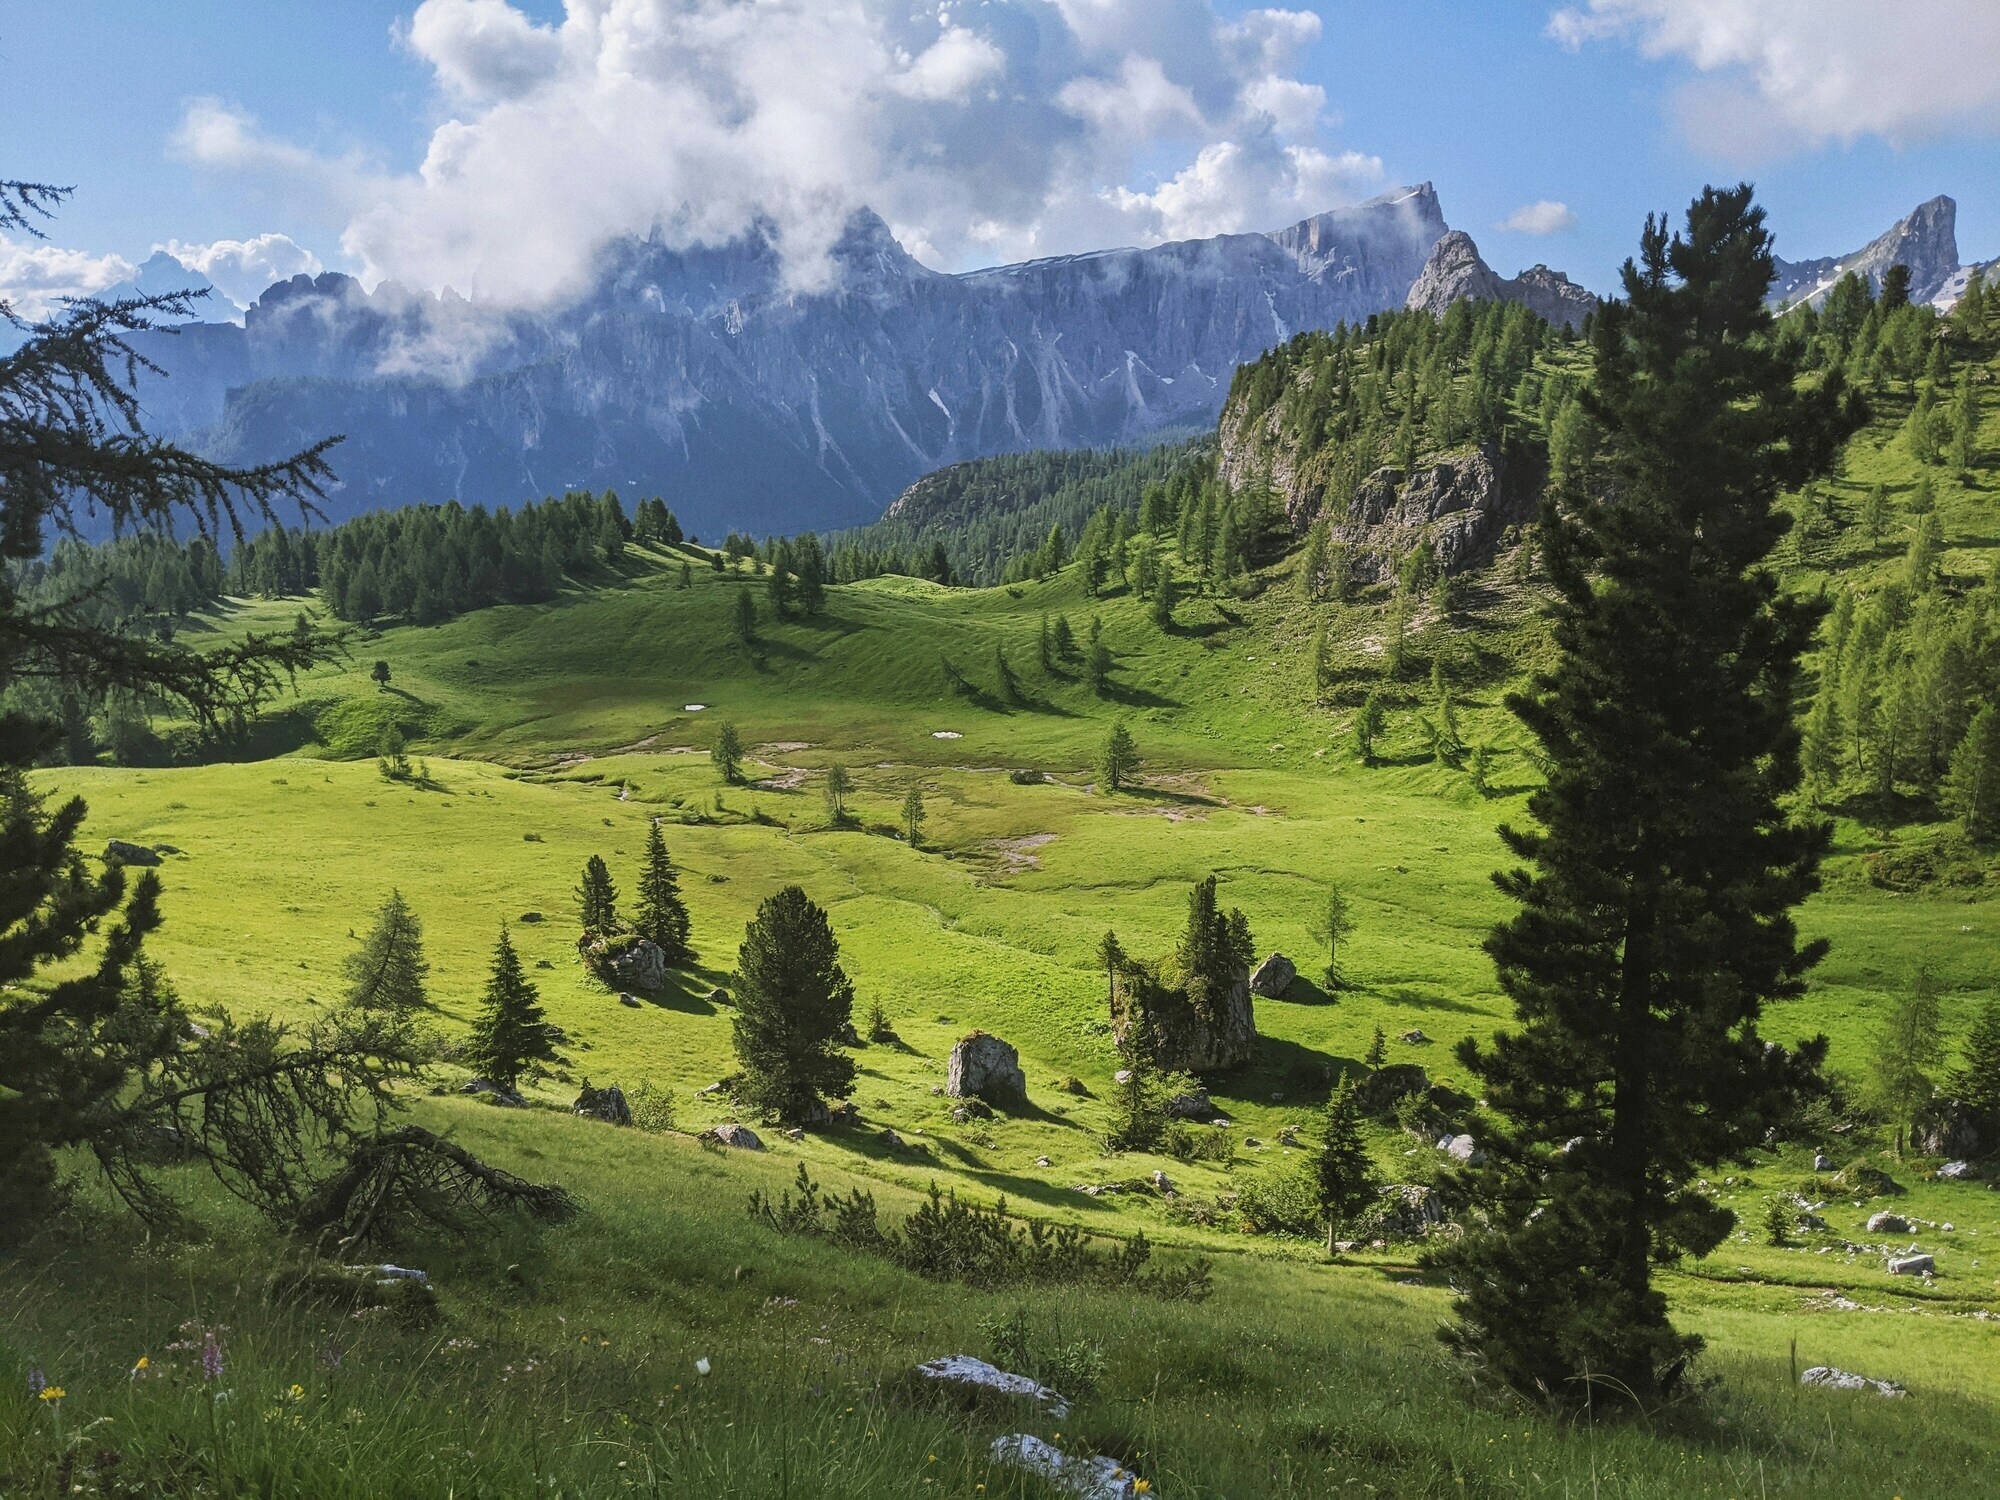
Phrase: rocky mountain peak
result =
(1456, 270)
(1925, 240)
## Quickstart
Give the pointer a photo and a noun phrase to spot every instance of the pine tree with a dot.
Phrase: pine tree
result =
(1920, 563)
(1965, 422)
(727, 752)
(1163, 599)
(387, 973)
(838, 785)
(1065, 640)
(510, 1032)
(1908, 1048)
(597, 897)
(1331, 923)
(1345, 1179)
(1009, 684)
(1447, 745)
(1972, 788)
(1368, 728)
(793, 1006)
(746, 617)
(1378, 1050)
(913, 815)
(1097, 668)
(380, 673)
(1875, 514)
(1118, 759)
(1655, 918)
(663, 914)
(1977, 1082)
(1045, 647)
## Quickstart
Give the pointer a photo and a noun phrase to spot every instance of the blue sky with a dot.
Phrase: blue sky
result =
(266, 136)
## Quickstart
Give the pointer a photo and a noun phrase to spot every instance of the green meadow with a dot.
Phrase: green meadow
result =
(566, 1361)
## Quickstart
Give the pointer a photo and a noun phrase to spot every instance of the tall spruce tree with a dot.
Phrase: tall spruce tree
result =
(387, 972)
(1344, 1179)
(510, 1031)
(1658, 884)
(793, 1007)
(663, 915)
(1117, 758)
(597, 897)
(1977, 1082)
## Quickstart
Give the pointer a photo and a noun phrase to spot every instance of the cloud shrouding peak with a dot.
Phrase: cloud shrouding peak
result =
(1780, 74)
(981, 130)
(36, 276)
(242, 269)
(1546, 216)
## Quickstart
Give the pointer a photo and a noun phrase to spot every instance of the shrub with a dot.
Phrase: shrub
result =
(652, 1108)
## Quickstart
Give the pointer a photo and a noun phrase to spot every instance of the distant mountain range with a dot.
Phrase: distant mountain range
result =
(695, 374)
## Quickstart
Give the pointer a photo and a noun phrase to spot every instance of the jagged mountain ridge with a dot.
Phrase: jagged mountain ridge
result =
(696, 374)
(1925, 240)
(1456, 270)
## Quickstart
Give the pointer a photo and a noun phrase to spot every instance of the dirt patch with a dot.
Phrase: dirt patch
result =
(1012, 856)
(793, 778)
(781, 747)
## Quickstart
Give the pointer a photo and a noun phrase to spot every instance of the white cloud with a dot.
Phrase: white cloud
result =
(1546, 216)
(980, 129)
(35, 276)
(1785, 73)
(242, 269)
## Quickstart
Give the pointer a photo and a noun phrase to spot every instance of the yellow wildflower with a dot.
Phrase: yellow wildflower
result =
(298, 1393)
(53, 1393)
(143, 1363)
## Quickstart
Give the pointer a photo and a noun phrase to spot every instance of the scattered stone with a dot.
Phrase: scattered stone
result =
(1822, 1162)
(1843, 1380)
(985, 1067)
(892, 1140)
(1955, 1171)
(543, 963)
(937, 1090)
(1870, 1182)
(630, 1002)
(1252, 1141)
(718, 997)
(168, 849)
(1192, 1105)
(742, 1137)
(1288, 1135)
(964, 1370)
(1123, 1075)
(1408, 1211)
(1097, 1478)
(713, 1088)
(1812, 1221)
(847, 1114)
(795, 1134)
(1043, 1161)
(1462, 1148)
(1912, 1265)
(1414, 1038)
(1888, 1223)
(120, 852)
(1160, 1181)
(606, 1104)
(1273, 976)
(492, 1093)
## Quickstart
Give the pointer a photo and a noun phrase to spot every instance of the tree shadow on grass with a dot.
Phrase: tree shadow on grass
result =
(686, 991)
(1144, 792)
(1410, 996)
(1137, 697)
(1294, 1073)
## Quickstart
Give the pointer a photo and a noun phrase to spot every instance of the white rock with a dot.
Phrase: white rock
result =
(1955, 1171)
(1912, 1265)
(1888, 1223)
(742, 1137)
(1096, 1478)
(1822, 1162)
(1844, 1380)
(1462, 1149)
(963, 1369)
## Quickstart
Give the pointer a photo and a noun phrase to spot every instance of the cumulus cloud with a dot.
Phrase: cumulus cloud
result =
(981, 130)
(1545, 216)
(1787, 73)
(36, 276)
(242, 269)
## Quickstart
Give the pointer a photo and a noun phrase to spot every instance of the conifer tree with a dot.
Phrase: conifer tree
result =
(1003, 673)
(1875, 514)
(746, 617)
(1656, 900)
(597, 897)
(1097, 668)
(1977, 1082)
(1972, 788)
(1331, 923)
(1378, 1049)
(387, 973)
(793, 1006)
(1163, 599)
(1344, 1179)
(1064, 640)
(1118, 759)
(727, 751)
(838, 785)
(1908, 1048)
(663, 914)
(1368, 728)
(913, 815)
(510, 1032)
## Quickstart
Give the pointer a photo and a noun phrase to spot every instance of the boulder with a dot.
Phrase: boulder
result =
(718, 997)
(1414, 1038)
(1955, 1171)
(846, 1114)
(1192, 1105)
(1160, 1181)
(1093, 1478)
(1822, 1162)
(742, 1137)
(624, 961)
(1273, 976)
(964, 1371)
(492, 1093)
(795, 1134)
(606, 1104)
(1461, 1148)
(1912, 1265)
(984, 1067)
(1888, 1223)
(1379, 1091)
(1870, 1182)
(1457, 507)
(119, 852)
(1406, 1211)
(1945, 1127)
(1843, 1380)
(168, 849)
(1043, 1161)
(890, 1139)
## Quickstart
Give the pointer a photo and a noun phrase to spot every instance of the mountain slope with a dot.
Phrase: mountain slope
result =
(698, 374)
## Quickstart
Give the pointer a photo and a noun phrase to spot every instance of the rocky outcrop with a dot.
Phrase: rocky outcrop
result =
(1945, 1127)
(1212, 1038)
(606, 1104)
(1378, 1092)
(984, 1067)
(1829, 1377)
(742, 1137)
(1458, 507)
(121, 852)
(1456, 272)
(625, 963)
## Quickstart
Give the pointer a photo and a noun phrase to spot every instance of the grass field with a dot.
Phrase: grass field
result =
(556, 732)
